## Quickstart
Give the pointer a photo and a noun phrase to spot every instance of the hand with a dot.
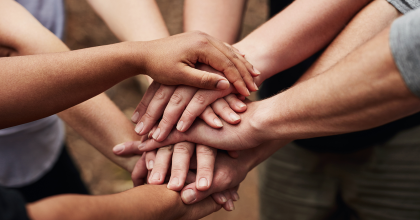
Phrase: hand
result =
(183, 160)
(189, 102)
(245, 135)
(171, 61)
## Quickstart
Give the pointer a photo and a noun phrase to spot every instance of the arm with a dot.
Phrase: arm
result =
(144, 202)
(132, 20)
(53, 82)
(221, 19)
(364, 26)
(296, 33)
(368, 92)
(95, 126)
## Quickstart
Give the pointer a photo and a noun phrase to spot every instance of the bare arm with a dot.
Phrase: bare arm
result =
(219, 18)
(368, 92)
(296, 33)
(144, 202)
(132, 20)
(364, 26)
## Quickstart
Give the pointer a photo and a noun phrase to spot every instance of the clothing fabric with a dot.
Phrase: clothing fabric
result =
(405, 6)
(404, 41)
(381, 182)
(29, 150)
(12, 205)
(61, 179)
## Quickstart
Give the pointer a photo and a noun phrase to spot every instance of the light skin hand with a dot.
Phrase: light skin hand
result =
(229, 172)
(183, 160)
(247, 134)
(182, 100)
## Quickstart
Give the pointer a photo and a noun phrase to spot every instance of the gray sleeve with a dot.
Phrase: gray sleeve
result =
(405, 6)
(404, 41)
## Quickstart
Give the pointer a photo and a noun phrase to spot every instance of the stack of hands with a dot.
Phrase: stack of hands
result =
(185, 144)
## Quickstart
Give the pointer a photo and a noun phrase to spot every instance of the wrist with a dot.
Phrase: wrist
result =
(261, 121)
(135, 54)
(255, 55)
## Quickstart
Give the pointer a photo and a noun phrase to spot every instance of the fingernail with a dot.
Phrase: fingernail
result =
(151, 163)
(135, 117)
(223, 198)
(203, 182)
(174, 182)
(141, 145)
(235, 196)
(188, 196)
(241, 105)
(234, 117)
(218, 122)
(156, 134)
(139, 127)
(230, 205)
(179, 125)
(240, 52)
(119, 148)
(256, 71)
(256, 87)
(156, 176)
(247, 92)
(222, 84)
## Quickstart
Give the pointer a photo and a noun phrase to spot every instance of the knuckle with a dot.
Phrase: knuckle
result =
(223, 178)
(206, 151)
(168, 148)
(142, 105)
(165, 120)
(188, 114)
(182, 148)
(229, 64)
(175, 171)
(205, 170)
(176, 98)
(200, 99)
(226, 109)
(160, 94)
(205, 80)
(149, 116)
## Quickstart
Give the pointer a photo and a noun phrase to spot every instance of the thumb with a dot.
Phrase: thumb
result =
(203, 79)
(201, 209)
(127, 148)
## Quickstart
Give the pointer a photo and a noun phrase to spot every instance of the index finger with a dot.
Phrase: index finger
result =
(236, 71)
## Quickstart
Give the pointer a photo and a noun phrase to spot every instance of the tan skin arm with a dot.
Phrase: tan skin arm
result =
(144, 202)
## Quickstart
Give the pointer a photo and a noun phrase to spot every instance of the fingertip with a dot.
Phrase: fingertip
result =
(222, 84)
(135, 117)
(218, 122)
(118, 149)
(234, 117)
(203, 184)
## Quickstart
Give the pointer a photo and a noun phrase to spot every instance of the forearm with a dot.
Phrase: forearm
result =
(362, 91)
(132, 20)
(218, 18)
(296, 33)
(103, 125)
(54, 82)
(144, 202)
(364, 26)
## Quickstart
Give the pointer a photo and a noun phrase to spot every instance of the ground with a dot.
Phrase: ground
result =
(85, 29)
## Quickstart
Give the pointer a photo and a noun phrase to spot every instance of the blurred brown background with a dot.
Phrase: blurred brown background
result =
(85, 29)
